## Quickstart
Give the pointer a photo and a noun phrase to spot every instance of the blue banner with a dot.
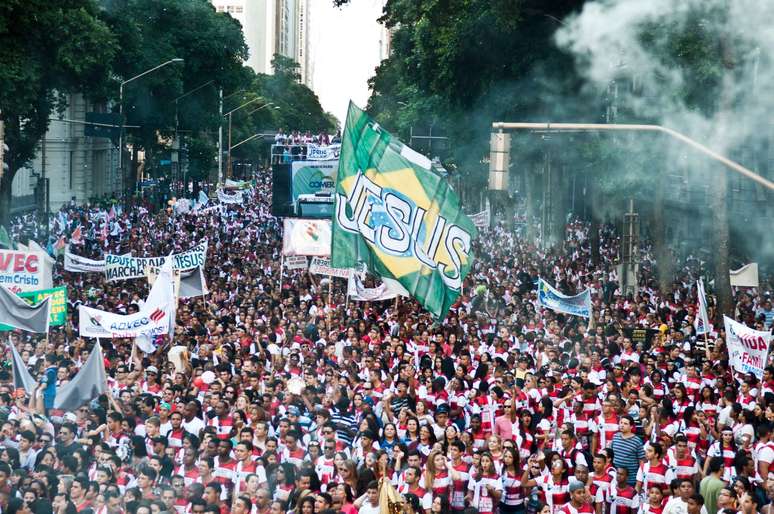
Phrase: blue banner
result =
(551, 298)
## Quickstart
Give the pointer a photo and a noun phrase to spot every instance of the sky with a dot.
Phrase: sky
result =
(345, 50)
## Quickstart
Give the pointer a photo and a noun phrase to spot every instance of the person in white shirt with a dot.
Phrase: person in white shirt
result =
(369, 502)
(678, 502)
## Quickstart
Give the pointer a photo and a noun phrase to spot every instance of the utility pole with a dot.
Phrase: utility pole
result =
(628, 272)
(44, 182)
(220, 136)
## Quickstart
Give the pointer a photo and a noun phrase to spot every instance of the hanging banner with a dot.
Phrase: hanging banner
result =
(238, 184)
(24, 271)
(57, 315)
(482, 219)
(296, 262)
(315, 152)
(97, 323)
(748, 349)
(312, 177)
(121, 267)
(551, 298)
(387, 290)
(322, 266)
(746, 276)
(76, 264)
(306, 237)
(227, 199)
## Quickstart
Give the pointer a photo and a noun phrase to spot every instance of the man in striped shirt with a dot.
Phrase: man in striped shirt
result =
(628, 449)
(344, 421)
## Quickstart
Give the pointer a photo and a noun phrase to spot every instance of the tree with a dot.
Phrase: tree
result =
(48, 50)
(289, 105)
(212, 46)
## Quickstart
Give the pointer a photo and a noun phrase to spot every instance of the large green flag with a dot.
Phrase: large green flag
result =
(397, 215)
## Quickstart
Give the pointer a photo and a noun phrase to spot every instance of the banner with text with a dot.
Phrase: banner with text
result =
(315, 152)
(24, 271)
(120, 267)
(748, 349)
(226, 198)
(97, 323)
(322, 266)
(296, 262)
(396, 213)
(76, 264)
(387, 290)
(482, 219)
(551, 298)
(311, 177)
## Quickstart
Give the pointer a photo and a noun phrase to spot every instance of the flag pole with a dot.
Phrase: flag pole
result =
(282, 265)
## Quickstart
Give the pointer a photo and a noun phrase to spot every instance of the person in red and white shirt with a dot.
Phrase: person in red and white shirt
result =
(653, 471)
(579, 501)
(223, 422)
(763, 453)
(682, 463)
(246, 466)
(604, 427)
(621, 497)
(486, 488)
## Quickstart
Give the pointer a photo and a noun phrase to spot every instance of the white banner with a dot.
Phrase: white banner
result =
(482, 219)
(119, 267)
(76, 264)
(307, 237)
(27, 271)
(387, 290)
(226, 198)
(322, 266)
(97, 323)
(748, 349)
(315, 152)
(296, 262)
(746, 276)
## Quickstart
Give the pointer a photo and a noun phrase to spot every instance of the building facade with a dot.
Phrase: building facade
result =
(77, 166)
(272, 27)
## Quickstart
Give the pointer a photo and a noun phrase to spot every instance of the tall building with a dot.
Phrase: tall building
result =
(303, 57)
(272, 27)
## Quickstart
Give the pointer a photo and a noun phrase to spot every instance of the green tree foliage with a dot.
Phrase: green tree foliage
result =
(289, 106)
(46, 49)
(459, 65)
(152, 32)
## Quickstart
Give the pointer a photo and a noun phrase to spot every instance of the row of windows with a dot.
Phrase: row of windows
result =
(231, 9)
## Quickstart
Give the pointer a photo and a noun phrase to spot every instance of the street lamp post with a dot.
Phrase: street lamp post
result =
(121, 108)
(229, 114)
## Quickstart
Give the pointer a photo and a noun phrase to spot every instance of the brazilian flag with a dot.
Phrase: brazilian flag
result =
(396, 214)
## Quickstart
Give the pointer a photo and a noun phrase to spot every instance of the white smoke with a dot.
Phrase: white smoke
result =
(611, 39)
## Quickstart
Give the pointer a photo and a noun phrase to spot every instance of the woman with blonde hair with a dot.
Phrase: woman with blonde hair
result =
(436, 475)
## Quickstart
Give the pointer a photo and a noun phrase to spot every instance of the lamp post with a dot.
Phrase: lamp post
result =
(121, 107)
(176, 145)
(229, 114)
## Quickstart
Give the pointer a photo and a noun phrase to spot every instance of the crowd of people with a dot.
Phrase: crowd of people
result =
(293, 145)
(287, 397)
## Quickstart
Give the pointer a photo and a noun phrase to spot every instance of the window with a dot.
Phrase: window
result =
(238, 9)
